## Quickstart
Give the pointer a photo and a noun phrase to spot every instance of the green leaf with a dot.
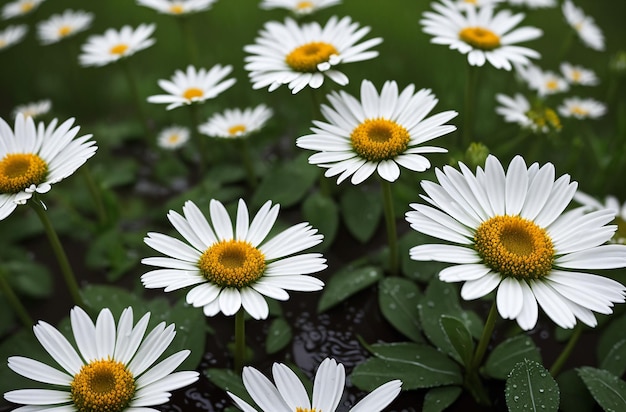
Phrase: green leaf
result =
(574, 395)
(509, 353)
(422, 271)
(607, 389)
(398, 299)
(530, 387)
(29, 278)
(361, 209)
(438, 399)
(346, 283)
(124, 172)
(110, 252)
(278, 336)
(615, 360)
(611, 335)
(459, 337)
(227, 380)
(323, 214)
(417, 365)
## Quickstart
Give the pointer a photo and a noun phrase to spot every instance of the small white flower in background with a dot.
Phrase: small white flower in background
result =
(578, 75)
(582, 108)
(173, 137)
(177, 7)
(112, 370)
(588, 31)
(591, 204)
(100, 50)
(304, 55)
(19, 8)
(34, 109)
(60, 26)
(464, 4)
(193, 86)
(517, 109)
(236, 122)
(12, 35)
(299, 7)
(534, 4)
(545, 82)
(288, 394)
(482, 33)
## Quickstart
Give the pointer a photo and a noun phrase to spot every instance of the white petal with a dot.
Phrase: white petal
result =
(474, 289)
(510, 298)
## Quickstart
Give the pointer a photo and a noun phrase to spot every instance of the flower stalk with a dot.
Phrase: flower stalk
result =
(390, 222)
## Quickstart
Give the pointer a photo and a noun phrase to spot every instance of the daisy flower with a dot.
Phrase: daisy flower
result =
(12, 35)
(288, 394)
(463, 4)
(173, 137)
(237, 123)
(591, 204)
(19, 8)
(579, 75)
(534, 4)
(60, 26)
(544, 82)
(177, 7)
(588, 32)
(112, 370)
(33, 158)
(193, 86)
(582, 108)
(34, 109)
(303, 55)
(481, 34)
(298, 7)
(100, 50)
(379, 133)
(518, 110)
(233, 268)
(509, 231)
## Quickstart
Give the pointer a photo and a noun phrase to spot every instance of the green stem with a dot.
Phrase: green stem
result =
(64, 264)
(14, 301)
(96, 195)
(390, 221)
(132, 85)
(567, 351)
(188, 39)
(470, 103)
(201, 139)
(483, 343)
(246, 159)
(240, 340)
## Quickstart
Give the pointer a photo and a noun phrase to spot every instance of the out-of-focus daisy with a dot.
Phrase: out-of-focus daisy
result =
(60, 26)
(379, 133)
(112, 370)
(100, 50)
(34, 109)
(545, 82)
(591, 204)
(517, 109)
(509, 231)
(33, 158)
(177, 7)
(298, 7)
(534, 4)
(580, 108)
(588, 31)
(463, 4)
(12, 35)
(482, 34)
(237, 122)
(193, 86)
(303, 55)
(173, 137)
(288, 394)
(19, 8)
(233, 268)
(579, 75)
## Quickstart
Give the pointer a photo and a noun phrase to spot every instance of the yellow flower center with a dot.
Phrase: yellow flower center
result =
(232, 263)
(304, 5)
(177, 9)
(305, 58)
(379, 139)
(237, 129)
(299, 409)
(480, 38)
(552, 85)
(173, 138)
(544, 117)
(103, 385)
(119, 49)
(514, 246)
(20, 170)
(65, 30)
(576, 76)
(3, 43)
(620, 234)
(192, 92)
(27, 6)
(471, 1)
(580, 111)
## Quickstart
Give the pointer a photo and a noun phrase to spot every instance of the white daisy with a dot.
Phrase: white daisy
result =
(233, 268)
(288, 394)
(177, 7)
(534, 4)
(299, 7)
(509, 232)
(582, 108)
(236, 123)
(112, 370)
(588, 31)
(34, 158)
(302, 55)
(193, 86)
(100, 50)
(579, 75)
(463, 4)
(12, 35)
(518, 110)
(60, 26)
(591, 204)
(173, 137)
(379, 133)
(544, 82)
(482, 34)
(34, 109)
(19, 8)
